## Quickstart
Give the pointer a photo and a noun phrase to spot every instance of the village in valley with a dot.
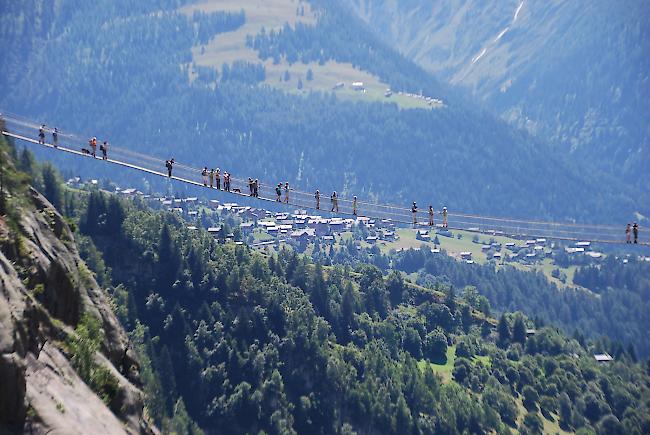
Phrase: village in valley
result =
(347, 239)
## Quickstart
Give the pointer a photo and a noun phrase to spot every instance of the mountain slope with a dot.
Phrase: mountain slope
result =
(465, 159)
(262, 341)
(573, 73)
(55, 374)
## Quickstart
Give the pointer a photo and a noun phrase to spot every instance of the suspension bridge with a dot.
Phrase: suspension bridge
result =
(25, 130)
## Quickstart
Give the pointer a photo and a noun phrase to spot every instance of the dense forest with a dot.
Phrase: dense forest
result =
(237, 340)
(123, 72)
(617, 305)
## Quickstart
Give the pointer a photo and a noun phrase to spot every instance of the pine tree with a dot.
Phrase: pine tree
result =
(319, 291)
(519, 330)
(167, 378)
(503, 330)
(52, 186)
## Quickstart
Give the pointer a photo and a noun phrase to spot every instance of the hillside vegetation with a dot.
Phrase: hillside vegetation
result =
(82, 68)
(575, 74)
(246, 342)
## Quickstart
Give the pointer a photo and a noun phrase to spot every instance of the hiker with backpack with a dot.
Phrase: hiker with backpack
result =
(104, 149)
(169, 164)
(278, 192)
(414, 210)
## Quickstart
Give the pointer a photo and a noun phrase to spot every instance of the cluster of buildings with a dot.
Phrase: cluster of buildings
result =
(430, 100)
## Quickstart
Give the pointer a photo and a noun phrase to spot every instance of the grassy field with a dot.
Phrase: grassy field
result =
(455, 246)
(550, 426)
(273, 14)
(445, 370)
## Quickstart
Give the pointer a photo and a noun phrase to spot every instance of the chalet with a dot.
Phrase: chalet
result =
(530, 332)
(497, 256)
(193, 213)
(128, 192)
(466, 255)
(435, 250)
(328, 239)
(603, 357)
(445, 233)
(362, 220)
(469, 261)
(247, 227)
(192, 228)
(594, 255)
(358, 86)
(585, 245)
(486, 248)
(422, 235)
(389, 235)
(191, 200)
(570, 250)
(511, 246)
(214, 231)
(303, 235)
(371, 239)
(336, 225)
(541, 242)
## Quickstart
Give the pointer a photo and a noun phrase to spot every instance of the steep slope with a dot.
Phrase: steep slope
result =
(573, 73)
(113, 70)
(262, 341)
(47, 298)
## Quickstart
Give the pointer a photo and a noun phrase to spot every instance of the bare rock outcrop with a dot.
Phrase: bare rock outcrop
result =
(44, 290)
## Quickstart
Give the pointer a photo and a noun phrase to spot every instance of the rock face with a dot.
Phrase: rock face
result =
(44, 289)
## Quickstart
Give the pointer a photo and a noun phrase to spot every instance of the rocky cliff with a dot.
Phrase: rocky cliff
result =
(45, 292)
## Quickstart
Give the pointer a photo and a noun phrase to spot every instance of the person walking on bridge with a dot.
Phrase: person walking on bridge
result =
(317, 196)
(414, 210)
(444, 217)
(41, 135)
(354, 205)
(256, 188)
(278, 192)
(55, 137)
(169, 164)
(635, 231)
(286, 192)
(250, 186)
(226, 181)
(431, 213)
(335, 202)
(211, 178)
(204, 172)
(104, 149)
(628, 233)
(217, 178)
(93, 145)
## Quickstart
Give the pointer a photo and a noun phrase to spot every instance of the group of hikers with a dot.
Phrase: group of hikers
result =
(632, 229)
(212, 178)
(334, 199)
(92, 143)
(414, 211)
